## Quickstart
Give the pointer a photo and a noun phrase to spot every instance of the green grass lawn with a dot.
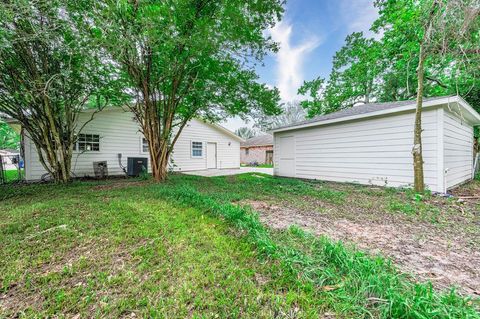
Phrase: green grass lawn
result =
(12, 175)
(260, 165)
(187, 249)
(113, 250)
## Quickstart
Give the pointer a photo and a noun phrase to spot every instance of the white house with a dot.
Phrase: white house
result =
(372, 143)
(114, 131)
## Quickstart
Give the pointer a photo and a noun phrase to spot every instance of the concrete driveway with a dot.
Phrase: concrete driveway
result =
(234, 171)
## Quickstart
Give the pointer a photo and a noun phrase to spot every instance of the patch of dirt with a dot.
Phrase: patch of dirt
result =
(100, 254)
(119, 185)
(418, 248)
(469, 193)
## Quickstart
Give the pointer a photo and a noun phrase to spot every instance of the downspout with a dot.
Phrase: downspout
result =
(445, 173)
(476, 165)
(476, 152)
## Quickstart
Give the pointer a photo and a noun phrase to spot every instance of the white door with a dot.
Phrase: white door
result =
(286, 156)
(211, 155)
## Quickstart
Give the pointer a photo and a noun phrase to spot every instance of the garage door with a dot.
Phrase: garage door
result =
(286, 156)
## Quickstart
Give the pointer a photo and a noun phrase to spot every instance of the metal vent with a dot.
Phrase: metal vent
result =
(100, 169)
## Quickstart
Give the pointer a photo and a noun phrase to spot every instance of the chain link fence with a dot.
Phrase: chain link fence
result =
(11, 169)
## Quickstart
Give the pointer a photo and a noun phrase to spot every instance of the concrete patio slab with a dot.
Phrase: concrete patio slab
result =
(226, 172)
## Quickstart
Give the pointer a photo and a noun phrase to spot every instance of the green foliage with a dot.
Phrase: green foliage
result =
(353, 79)
(49, 72)
(71, 74)
(191, 53)
(186, 58)
(9, 139)
(384, 69)
(144, 175)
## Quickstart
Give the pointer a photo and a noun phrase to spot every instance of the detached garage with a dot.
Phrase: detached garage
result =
(371, 144)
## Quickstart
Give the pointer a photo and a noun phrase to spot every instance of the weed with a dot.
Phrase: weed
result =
(173, 249)
(402, 207)
(358, 279)
(144, 175)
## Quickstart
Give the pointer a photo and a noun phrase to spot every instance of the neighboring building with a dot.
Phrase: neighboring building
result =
(258, 149)
(9, 152)
(114, 131)
(10, 158)
(372, 144)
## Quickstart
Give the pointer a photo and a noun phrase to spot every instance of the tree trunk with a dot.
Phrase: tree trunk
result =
(159, 160)
(55, 158)
(158, 143)
(419, 183)
(158, 133)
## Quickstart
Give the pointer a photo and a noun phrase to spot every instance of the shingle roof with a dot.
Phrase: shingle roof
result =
(266, 139)
(357, 110)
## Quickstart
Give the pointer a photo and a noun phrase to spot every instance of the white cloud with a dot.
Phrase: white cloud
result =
(359, 15)
(290, 59)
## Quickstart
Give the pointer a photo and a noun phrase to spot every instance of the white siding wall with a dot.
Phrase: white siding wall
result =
(458, 150)
(373, 151)
(228, 149)
(119, 133)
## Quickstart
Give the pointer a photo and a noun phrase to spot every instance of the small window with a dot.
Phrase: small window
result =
(197, 149)
(247, 151)
(144, 145)
(88, 142)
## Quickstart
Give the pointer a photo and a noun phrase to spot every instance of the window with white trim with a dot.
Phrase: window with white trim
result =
(144, 145)
(197, 149)
(88, 142)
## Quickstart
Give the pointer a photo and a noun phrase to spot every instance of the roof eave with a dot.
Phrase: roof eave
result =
(225, 130)
(259, 145)
(409, 107)
(471, 111)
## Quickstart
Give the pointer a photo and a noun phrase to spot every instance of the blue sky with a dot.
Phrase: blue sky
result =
(309, 34)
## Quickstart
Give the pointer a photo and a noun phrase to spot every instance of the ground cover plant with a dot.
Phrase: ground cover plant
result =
(436, 238)
(12, 175)
(97, 250)
(258, 165)
(191, 247)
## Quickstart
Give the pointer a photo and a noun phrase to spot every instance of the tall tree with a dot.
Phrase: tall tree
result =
(439, 33)
(48, 74)
(187, 58)
(245, 132)
(292, 112)
(353, 80)
(427, 48)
